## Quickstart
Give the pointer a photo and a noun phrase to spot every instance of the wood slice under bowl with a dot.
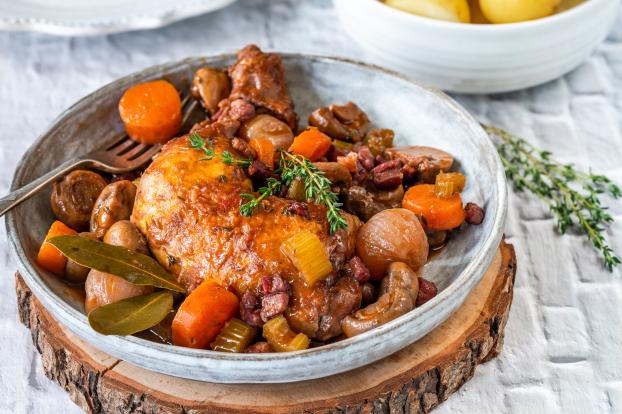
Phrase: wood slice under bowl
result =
(413, 380)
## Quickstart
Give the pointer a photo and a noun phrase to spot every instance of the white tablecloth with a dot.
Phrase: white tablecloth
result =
(563, 347)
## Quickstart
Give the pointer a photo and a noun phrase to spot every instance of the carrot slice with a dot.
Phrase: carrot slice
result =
(436, 213)
(264, 149)
(49, 257)
(202, 315)
(311, 144)
(151, 112)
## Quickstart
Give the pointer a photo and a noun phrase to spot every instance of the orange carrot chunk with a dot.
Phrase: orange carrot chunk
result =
(311, 144)
(151, 112)
(264, 149)
(436, 213)
(49, 257)
(202, 315)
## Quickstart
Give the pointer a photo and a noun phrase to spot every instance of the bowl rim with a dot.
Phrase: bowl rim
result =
(410, 18)
(70, 316)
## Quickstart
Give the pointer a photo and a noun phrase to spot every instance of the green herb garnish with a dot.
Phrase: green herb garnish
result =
(134, 267)
(272, 186)
(131, 315)
(573, 196)
(199, 143)
(317, 188)
(228, 159)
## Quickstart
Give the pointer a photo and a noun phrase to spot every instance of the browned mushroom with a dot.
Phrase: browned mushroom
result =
(335, 172)
(73, 197)
(352, 117)
(325, 121)
(210, 86)
(344, 122)
(115, 203)
(421, 163)
(398, 294)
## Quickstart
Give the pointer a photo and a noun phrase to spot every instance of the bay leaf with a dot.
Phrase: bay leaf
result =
(134, 267)
(132, 315)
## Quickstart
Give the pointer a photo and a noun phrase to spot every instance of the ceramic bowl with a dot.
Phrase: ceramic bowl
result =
(417, 114)
(477, 58)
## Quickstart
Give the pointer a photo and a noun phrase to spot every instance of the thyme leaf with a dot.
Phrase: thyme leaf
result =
(573, 196)
(199, 143)
(317, 188)
(272, 186)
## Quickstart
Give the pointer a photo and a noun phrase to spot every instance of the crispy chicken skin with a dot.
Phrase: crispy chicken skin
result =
(188, 209)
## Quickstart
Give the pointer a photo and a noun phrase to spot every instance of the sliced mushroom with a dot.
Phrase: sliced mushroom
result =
(210, 86)
(398, 294)
(353, 118)
(325, 121)
(73, 197)
(421, 163)
(115, 203)
(400, 275)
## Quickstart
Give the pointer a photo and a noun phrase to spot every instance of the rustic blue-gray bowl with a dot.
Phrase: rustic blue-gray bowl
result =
(417, 114)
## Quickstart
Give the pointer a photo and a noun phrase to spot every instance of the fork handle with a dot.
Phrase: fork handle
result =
(11, 200)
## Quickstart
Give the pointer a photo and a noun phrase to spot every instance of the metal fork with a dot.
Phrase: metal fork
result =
(123, 155)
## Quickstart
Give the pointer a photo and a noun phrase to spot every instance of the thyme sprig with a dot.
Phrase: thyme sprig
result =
(229, 159)
(272, 187)
(317, 188)
(199, 143)
(573, 196)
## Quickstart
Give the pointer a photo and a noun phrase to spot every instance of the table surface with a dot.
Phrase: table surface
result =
(563, 344)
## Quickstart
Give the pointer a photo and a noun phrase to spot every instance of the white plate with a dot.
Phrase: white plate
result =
(90, 17)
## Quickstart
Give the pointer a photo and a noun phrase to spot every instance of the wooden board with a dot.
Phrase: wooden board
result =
(413, 380)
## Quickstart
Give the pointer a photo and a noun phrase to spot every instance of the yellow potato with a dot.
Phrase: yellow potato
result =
(510, 11)
(477, 16)
(451, 10)
(567, 4)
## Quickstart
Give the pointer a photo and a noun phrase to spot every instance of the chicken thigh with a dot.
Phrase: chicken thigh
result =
(188, 208)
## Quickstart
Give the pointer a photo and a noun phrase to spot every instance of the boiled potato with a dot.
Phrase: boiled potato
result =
(568, 4)
(450, 10)
(511, 11)
(477, 16)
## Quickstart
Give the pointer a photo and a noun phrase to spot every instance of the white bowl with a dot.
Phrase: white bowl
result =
(418, 115)
(478, 58)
